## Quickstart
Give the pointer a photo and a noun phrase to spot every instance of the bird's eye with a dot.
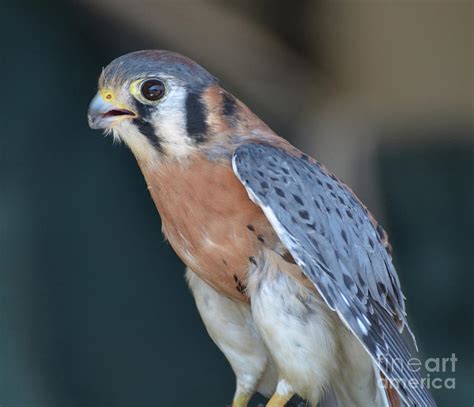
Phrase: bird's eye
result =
(152, 89)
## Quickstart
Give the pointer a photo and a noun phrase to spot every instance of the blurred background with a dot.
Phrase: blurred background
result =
(94, 310)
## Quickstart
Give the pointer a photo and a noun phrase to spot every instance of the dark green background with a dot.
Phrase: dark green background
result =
(94, 310)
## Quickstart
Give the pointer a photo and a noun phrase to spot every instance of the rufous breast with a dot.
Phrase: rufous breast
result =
(209, 220)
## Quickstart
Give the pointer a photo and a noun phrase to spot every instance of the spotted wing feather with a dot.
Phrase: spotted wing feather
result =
(340, 248)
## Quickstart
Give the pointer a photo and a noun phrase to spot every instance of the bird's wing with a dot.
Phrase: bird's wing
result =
(334, 240)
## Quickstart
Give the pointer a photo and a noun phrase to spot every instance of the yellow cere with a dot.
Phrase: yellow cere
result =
(107, 95)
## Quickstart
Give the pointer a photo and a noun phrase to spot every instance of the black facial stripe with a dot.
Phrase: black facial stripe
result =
(229, 104)
(145, 126)
(144, 111)
(196, 114)
(148, 130)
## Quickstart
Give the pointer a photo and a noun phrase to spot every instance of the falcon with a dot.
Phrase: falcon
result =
(291, 274)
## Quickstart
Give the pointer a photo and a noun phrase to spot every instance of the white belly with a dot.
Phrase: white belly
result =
(312, 349)
(230, 324)
(297, 327)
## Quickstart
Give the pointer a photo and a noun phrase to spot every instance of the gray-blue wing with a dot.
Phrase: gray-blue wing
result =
(334, 240)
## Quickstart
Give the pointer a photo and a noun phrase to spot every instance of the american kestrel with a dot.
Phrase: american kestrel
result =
(291, 274)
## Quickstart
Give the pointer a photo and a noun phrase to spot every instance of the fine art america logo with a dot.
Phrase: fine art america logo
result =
(439, 373)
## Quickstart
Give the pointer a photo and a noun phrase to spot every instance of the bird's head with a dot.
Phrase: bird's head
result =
(160, 104)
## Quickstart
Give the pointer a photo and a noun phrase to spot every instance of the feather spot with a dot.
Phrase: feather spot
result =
(298, 199)
(344, 236)
(348, 281)
(280, 192)
(371, 243)
(381, 289)
(304, 214)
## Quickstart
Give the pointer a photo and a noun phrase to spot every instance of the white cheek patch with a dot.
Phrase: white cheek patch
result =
(170, 123)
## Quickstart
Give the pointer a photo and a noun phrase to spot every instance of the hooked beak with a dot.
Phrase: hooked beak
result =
(103, 114)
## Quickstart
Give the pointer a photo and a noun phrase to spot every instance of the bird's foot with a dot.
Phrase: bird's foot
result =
(282, 395)
(279, 400)
(241, 400)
